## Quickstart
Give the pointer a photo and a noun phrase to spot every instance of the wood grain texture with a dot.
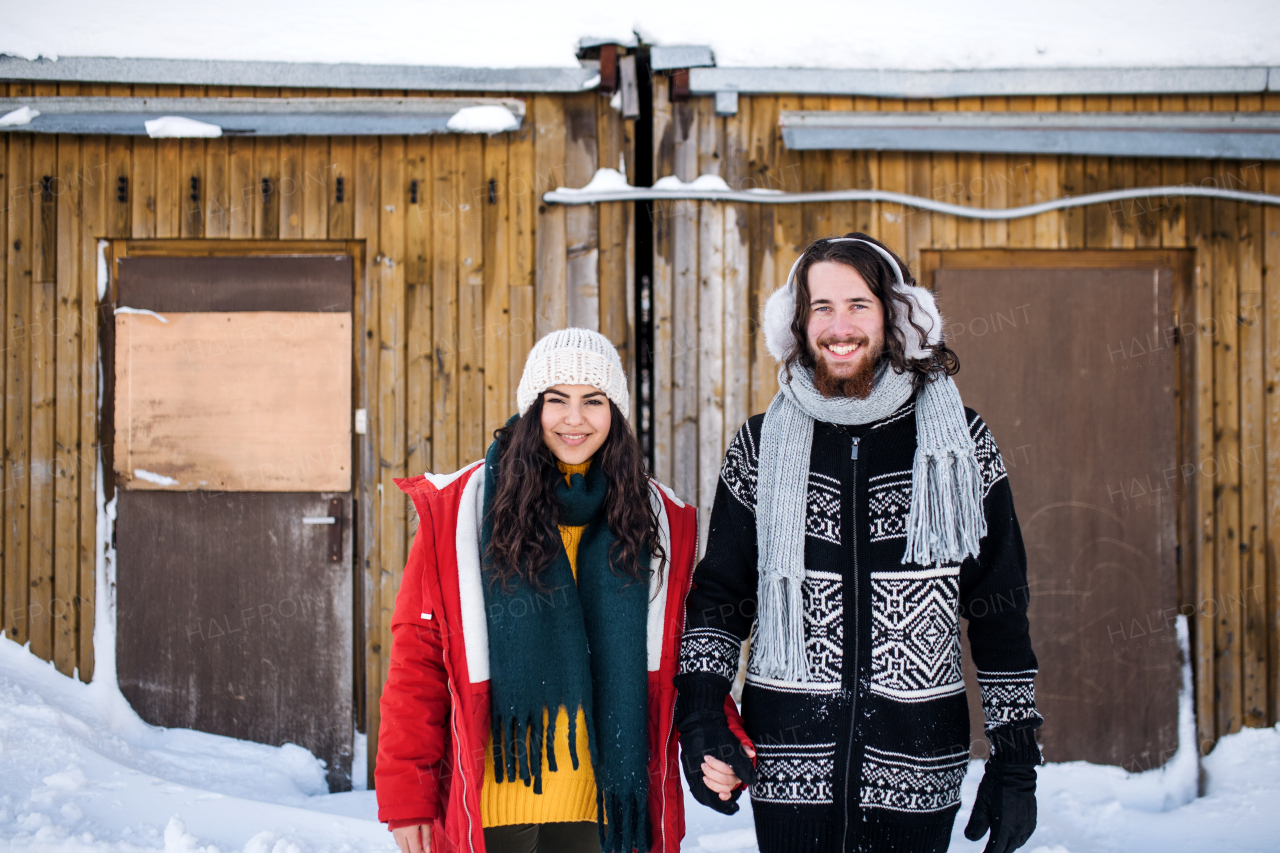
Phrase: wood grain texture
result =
(263, 193)
(581, 222)
(418, 359)
(17, 409)
(43, 332)
(217, 194)
(292, 188)
(1253, 556)
(445, 286)
(685, 346)
(317, 184)
(8, 477)
(496, 274)
(1226, 427)
(1199, 229)
(142, 188)
(1271, 379)
(391, 402)
(171, 188)
(551, 307)
(242, 196)
(94, 201)
(473, 196)
(66, 331)
(711, 355)
(663, 277)
(366, 193)
(522, 205)
(998, 174)
(191, 158)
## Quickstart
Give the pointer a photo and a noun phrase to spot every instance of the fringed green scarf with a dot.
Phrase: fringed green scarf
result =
(580, 645)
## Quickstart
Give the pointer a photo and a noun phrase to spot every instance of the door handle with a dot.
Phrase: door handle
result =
(335, 530)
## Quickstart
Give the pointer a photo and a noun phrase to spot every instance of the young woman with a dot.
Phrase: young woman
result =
(528, 705)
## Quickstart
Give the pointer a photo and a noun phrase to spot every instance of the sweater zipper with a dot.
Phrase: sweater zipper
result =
(853, 707)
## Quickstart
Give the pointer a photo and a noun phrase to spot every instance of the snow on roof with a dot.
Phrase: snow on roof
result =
(917, 34)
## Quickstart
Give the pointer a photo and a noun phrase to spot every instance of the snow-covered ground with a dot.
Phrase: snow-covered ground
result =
(80, 772)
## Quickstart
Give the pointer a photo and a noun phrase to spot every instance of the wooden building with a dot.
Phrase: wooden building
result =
(458, 263)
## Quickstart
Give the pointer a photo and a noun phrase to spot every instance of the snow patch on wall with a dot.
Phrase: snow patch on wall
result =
(179, 127)
(702, 183)
(124, 309)
(19, 117)
(490, 119)
(153, 477)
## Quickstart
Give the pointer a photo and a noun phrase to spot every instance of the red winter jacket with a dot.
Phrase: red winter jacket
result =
(435, 705)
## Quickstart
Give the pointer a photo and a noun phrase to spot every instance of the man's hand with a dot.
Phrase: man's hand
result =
(716, 763)
(413, 839)
(1006, 804)
(719, 777)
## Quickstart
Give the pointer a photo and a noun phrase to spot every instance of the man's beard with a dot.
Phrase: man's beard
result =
(859, 385)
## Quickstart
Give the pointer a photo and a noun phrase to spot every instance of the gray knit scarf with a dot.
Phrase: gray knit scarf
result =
(944, 525)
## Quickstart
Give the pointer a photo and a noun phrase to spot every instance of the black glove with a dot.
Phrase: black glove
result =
(1006, 804)
(704, 733)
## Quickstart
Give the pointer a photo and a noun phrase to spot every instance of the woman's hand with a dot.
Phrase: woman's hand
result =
(413, 839)
(720, 777)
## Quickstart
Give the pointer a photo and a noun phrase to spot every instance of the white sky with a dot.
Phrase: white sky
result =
(908, 34)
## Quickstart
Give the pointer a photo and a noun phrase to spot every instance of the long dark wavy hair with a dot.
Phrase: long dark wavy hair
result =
(526, 536)
(878, 275)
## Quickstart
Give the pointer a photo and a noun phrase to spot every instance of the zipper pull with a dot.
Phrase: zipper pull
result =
(853, 454)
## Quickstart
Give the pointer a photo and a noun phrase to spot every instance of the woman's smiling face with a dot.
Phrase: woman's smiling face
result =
(575, 421)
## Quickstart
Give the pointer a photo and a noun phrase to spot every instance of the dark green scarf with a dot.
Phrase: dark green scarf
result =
(580, 645)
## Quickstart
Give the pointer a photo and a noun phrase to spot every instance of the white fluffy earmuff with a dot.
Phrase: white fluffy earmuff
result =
(781, 307)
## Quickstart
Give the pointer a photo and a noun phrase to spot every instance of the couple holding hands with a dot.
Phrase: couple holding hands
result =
(557, 659)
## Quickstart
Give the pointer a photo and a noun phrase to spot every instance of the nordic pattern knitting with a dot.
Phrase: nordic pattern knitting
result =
(573, 357)
(945, 522)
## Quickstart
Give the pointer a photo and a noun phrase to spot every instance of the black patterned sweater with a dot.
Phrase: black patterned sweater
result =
(870, 753)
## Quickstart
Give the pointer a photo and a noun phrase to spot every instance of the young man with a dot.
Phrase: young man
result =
(854, 523)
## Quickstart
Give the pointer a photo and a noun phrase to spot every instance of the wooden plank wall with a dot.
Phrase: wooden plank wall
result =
(460, 284)
(715, 264)
(463, 267)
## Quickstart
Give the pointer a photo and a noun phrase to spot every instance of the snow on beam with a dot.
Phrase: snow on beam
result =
(266, 116)
(101, 69)
(610, 185)
(1199, 135)
(965, 84)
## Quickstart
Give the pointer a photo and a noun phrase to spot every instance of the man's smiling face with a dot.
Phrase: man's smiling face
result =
(845, 330)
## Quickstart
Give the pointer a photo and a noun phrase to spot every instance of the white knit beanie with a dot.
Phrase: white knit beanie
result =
(574, 357)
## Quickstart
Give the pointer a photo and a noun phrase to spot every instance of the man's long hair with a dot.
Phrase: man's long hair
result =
(878, 275)
(526, 535)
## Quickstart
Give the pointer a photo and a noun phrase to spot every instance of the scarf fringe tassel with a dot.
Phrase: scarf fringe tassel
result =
(780, 637)
(946, 522)
(628, 820)
(518, 748)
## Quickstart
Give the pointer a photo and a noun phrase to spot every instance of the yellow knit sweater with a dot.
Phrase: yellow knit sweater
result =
(567, 794)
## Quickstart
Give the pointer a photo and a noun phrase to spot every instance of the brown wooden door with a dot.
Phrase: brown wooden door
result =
(1073, 369)
(232, 462)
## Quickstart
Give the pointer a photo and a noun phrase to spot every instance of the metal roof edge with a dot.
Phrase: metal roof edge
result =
(886, 83)
(193, 72)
